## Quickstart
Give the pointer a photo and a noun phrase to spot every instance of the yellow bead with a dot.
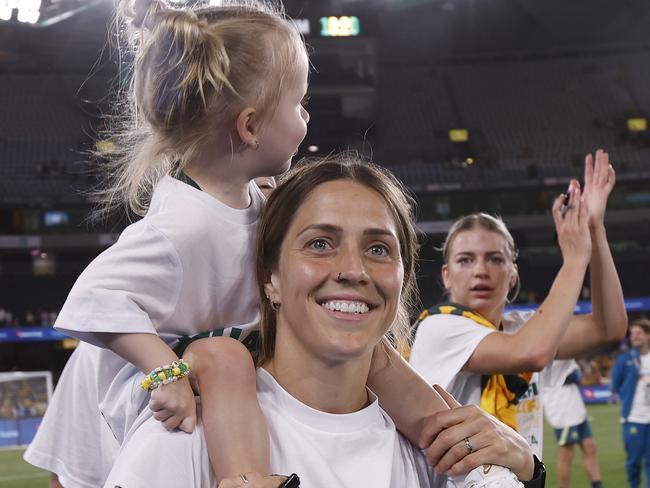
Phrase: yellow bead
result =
(176, 371)
(162, 376)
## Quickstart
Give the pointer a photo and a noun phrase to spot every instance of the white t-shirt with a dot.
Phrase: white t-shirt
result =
(563, 405)
(640, 412)
(444, 343)
(326, 450)
(187, 267)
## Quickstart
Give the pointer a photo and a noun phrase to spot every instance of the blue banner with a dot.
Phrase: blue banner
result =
(27, 429)
(596, 394)
(8, 432)
(18, 432)
(634, 304)
(31, 334)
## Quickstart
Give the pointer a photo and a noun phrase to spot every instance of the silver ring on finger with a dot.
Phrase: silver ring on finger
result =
(243, 478)
(468, 445)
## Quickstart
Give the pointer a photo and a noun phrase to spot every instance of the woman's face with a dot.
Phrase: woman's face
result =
(339, 275)
(480, 271)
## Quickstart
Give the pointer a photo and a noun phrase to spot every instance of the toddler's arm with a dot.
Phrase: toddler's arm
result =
(403, 393)
(173, 404)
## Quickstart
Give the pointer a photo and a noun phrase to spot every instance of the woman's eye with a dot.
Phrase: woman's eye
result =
(463, 260)
(319, 245)
(379, 250)
(498, 260)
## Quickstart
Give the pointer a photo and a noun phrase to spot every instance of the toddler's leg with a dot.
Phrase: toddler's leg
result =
(234, 426)
(54, 481)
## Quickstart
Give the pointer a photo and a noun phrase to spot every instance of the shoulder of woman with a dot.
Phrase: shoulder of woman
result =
(446, 324)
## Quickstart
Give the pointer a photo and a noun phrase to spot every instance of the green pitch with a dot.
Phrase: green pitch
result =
(15, 473)
(604, 420)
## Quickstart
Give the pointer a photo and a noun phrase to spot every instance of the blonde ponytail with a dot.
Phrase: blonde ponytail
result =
(193, 70)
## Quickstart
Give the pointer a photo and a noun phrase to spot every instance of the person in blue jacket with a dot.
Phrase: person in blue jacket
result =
(631, 381)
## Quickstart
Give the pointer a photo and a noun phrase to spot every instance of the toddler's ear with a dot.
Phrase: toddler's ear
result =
(247, 127)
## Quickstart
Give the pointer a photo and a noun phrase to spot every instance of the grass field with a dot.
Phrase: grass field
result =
(15, 473)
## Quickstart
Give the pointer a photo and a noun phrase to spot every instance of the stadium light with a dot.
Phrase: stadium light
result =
(458, 135)
(28, 11)
(637, 124)
(5, 12)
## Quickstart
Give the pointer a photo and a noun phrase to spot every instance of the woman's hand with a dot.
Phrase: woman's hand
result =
(600, 178)
(492, 442)
(173, 404)
(571, 226)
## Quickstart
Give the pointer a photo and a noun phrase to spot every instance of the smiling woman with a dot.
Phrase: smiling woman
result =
(335, 268)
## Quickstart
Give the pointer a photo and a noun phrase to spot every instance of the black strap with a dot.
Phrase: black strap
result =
(252, 341)
(539, 475)
(182, 176)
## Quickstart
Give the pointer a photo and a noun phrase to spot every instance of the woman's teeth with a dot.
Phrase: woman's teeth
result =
(346, 307)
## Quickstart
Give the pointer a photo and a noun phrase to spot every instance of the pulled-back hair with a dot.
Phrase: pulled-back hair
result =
(193, 71)
(483, 221)
(294, 188)
(487, 222)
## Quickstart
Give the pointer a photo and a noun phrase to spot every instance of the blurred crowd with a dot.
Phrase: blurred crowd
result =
(23, 398)
(38, 318)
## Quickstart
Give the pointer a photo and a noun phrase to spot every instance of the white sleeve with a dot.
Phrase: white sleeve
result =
(152, 456)
(555, 373)
(442, 346)
(131, 287)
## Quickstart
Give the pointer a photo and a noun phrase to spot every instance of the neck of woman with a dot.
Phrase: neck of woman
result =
(336, 387)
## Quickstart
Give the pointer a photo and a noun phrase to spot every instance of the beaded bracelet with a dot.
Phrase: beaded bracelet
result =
(166, 374)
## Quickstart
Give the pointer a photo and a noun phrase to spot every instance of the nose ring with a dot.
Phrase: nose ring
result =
(338, 277)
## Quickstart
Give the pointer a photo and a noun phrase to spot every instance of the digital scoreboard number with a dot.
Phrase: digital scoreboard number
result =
(344, 26)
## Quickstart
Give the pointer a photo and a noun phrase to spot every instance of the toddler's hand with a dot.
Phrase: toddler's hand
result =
(174, 405)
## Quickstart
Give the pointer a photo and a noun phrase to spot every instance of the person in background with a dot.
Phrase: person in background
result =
(631, 382)
(565, 411)
(499, 360)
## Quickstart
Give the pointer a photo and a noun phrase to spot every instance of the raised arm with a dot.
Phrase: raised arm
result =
(534, 345)
(608, 320)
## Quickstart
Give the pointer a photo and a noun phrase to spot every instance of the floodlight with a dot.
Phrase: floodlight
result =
(637, 124)
(28, 16)
(458, 135)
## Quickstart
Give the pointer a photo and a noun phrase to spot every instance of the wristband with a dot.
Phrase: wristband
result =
(166, 374)
(539, 475)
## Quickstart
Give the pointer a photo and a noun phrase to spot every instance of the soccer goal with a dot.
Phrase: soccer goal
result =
(24, 396)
